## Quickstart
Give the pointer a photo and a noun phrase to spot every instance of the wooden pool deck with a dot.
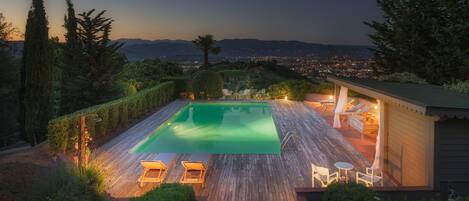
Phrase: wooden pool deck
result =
(238, 177)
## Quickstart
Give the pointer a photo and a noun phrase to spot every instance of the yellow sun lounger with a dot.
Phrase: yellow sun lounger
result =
(195, 169)
(160, 165)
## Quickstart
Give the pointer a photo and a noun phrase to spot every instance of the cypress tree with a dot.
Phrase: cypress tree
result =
(37, 75)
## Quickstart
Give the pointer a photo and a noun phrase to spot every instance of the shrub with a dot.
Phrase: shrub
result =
(294, 89)
(459, 86)
(63, 131)
(74, 184)
(404, 77)
(323, 88)
(208, 82)
(180, 83)
(235, 79)
(168, 192)
(130, 90)
(349, 192)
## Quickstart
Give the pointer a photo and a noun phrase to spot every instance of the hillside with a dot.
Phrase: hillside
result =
(137, 49)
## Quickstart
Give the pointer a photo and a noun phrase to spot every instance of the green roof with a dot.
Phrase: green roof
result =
(435, 99)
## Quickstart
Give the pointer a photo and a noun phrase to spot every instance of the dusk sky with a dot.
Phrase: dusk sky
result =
(318, 21)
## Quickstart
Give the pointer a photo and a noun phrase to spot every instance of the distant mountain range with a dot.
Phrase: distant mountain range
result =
(138, 49)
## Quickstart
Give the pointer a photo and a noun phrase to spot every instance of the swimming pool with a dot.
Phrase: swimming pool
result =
(217, 128)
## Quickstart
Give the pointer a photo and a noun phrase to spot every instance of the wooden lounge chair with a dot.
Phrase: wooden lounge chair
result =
(364, 121)
(160, 165)
(351, 110)
(195, 169)
(323, 176)
(370, 177)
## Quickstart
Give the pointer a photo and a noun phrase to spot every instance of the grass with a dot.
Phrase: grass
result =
(18, 179)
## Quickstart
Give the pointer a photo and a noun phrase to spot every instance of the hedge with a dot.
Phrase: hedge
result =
(63, 131)
(181, 83)
(168, 192)
(207, 85)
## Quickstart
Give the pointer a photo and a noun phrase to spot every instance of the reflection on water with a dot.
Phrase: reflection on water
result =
(204, 115)
(217, 128)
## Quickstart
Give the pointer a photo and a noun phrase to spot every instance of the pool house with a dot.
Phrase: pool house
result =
(422, 140)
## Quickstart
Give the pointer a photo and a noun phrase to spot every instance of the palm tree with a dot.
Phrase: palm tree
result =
(206, 44)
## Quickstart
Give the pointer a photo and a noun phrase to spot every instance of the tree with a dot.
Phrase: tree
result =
(9, 81)
(427, 38)
(58, 60)
(207, 85)
(207, 45)
(6, 31)
(102, 63)
(72, 85)
(147, 73)
(37, 75)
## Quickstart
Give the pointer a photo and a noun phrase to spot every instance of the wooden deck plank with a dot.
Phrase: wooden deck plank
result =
(239, 177)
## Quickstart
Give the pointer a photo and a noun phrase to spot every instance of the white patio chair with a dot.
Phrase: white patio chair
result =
(226, 93)
(370, 177)
(323, 176)
(246, 93)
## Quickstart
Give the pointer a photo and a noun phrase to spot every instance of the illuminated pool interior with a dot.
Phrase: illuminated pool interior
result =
(216, 128)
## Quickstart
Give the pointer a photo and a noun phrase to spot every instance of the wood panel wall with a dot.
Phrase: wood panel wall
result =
(409, 146)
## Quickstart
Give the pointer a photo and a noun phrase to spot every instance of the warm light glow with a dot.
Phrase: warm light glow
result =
(331, 97)
(376, 107)
(286, 97)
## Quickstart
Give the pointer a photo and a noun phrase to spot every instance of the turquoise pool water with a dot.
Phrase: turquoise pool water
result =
(217, 128)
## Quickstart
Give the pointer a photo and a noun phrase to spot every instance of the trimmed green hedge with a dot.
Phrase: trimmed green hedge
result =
(207, 85)
(63, 131)
(168, 192)
(181, 83)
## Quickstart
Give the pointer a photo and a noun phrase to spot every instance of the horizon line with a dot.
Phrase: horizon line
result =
(276, 40)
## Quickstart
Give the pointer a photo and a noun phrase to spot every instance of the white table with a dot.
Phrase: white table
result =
(344, 166)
